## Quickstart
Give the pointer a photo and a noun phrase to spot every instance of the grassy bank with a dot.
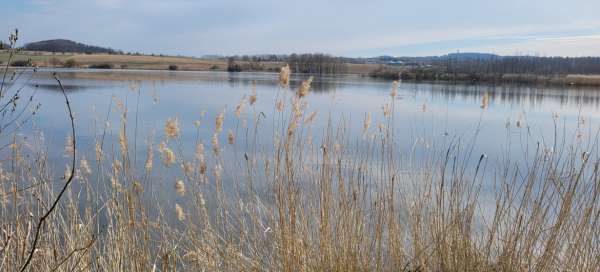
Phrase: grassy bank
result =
(146, 62)
(117, 61)
(298, 203)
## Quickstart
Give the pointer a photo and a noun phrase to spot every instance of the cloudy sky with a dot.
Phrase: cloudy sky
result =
(340, 27)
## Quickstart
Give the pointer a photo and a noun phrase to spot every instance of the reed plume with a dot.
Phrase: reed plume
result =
(394, 91)
(68, 146)
(149, 159)
(179, 212)
(219, 121)
(253, 95)
(284, 75)
(367, 123)
(168, 156)
(172, 128)
(304, 88)
(230, 137)
(485, 101)
(180, 187)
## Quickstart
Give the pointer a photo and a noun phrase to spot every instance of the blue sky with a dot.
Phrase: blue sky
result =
(348, 28)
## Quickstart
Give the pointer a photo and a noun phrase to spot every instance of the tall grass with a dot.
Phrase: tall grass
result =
(300, 203)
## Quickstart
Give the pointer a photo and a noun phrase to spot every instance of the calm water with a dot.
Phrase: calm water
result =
(428, 116)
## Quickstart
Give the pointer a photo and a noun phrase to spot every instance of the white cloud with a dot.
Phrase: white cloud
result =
(268, 26)
(574, 46)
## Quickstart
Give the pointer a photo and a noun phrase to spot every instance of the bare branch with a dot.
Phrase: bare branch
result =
(42, 219)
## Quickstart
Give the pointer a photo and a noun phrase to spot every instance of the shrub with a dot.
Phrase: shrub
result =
(70, 63)
(215, 67)
(232, 66)
(21, 63)
(101, 66)
(173, 67)
(386, 73)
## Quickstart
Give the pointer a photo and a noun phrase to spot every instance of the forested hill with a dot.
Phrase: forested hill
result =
(61, 45)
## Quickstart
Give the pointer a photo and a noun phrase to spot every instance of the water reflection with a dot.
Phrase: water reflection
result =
(529, 96)
(426, 113)
(518, 94)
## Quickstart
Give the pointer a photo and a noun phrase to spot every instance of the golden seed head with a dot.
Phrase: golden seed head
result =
(85, 167)
(137, 187)
(311, 118)
(180, 187)
(297, 109)
(230, 137)
(115, 184)
(179, 212)
(367, 122)
(219, 121)
(304, 87)
(117, 167)
(240, 107)
(387, 110)
(67, 172)
(292, 127)
(172, 128)
(394, 91)
(252, 98)
(123, 140)
(200, 152)
(215, 143)
(218, 170)
(168, 156)
(284, 75)
(69, 148)
(99, 154)
(188, 168)
(149, 159)
(279, 106)
(485, 101)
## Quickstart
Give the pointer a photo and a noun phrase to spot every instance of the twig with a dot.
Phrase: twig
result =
(84, 248)
(64, 189)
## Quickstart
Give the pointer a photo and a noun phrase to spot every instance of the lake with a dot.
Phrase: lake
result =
(427, 116)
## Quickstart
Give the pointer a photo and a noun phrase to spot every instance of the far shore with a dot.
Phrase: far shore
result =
(179, 63)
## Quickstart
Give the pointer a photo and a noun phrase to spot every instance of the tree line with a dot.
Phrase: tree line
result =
(316, 63)
(523, 65)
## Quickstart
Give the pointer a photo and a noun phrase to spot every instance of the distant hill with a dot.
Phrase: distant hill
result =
(406, 60)
(454, 56)
(471, 56)
(61, 45)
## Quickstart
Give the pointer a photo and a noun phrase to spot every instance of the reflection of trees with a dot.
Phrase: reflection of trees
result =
(319, 84)
(505, 94)
(513, 94)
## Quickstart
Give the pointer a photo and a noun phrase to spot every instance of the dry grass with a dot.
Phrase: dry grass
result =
(332, 203)
(42, 59)
(143, 62)
(121, 61)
